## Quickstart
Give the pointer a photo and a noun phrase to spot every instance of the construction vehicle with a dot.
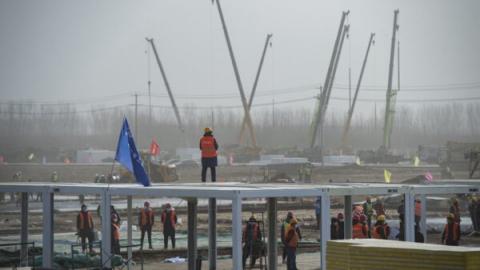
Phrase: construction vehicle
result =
(474, 160)
(255, 83)
(248, 118)
(323, 99)
(391, 94)
(167, 86)
(352, 106)
(159, 172)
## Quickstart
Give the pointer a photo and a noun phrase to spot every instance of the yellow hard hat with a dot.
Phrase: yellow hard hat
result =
(450, 216)
(207, 129)
(381, 218)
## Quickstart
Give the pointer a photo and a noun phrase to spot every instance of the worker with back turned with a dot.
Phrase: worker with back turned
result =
(209, 147)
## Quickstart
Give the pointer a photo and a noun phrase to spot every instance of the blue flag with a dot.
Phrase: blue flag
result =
(128, 156)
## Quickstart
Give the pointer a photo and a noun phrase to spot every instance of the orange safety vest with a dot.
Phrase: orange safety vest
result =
(357, 231)
(455, 231)
(147, 217)
(294, 240)
(418, 209)
(375, 233)
(172, 217)
(207, 145)
(89, 219)
(116, 231)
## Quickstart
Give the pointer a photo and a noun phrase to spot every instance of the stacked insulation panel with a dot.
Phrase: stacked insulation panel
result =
(372, 254)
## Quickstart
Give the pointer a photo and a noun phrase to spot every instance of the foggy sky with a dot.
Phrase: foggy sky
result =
(77, 50)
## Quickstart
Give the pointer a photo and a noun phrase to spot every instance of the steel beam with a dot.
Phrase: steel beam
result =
(423, 218)
(212, 234)
(106, 230)
(24, 230)
(129, 230)
(192, 233)
(409, 219)
(325, 229)
(47, 240)
(348, 217)
(272, 233)
(237, 233)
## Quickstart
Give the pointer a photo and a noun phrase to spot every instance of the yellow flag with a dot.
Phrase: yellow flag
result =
(388, 176)
(357, 161)
(416, 161)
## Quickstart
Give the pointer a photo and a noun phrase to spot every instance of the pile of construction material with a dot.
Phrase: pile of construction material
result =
(371, 254)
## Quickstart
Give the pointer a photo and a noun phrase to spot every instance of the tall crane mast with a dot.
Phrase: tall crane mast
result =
(255, 83)
(327, 86)
(167, 85)
(391, 94)
(352, 106)
(248, 118)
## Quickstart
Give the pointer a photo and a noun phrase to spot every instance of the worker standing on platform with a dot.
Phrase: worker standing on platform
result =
(85, 228)
(209, 147)
(381, 230)
(169, 220)
(292, 238)
(251, 235)
(451, 232)
(145, 222)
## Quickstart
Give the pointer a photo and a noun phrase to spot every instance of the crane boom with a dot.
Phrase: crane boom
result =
(319, 111)
(352, 106)
(167, 85)
(248, 118)
(390, 100)
(255, 83)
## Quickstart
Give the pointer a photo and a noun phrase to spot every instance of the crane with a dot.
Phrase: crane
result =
(248, 119)
(391, 93)
(352, 106)
(327, 86)
(254, 88)
(167, 85)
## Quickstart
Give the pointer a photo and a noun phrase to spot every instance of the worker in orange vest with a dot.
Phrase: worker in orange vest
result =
(169, 220)
(381, 230)
(358, 229)
(145, 223)
(292, 238)
(451, 232)
(115, 240)
(209, 147)
(251, 234)
(85, 228)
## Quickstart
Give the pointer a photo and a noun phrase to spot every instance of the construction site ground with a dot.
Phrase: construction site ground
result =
(303, 209)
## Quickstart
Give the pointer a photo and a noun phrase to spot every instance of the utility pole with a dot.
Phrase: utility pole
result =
(389, 107)
(248, 118)
(352, 106)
